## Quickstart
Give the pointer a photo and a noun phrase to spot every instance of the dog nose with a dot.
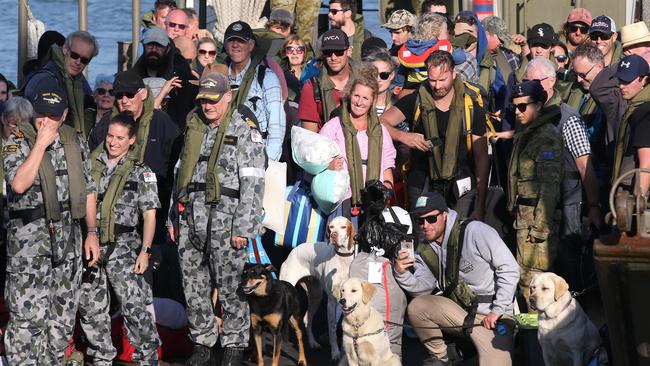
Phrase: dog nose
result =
(342, 302)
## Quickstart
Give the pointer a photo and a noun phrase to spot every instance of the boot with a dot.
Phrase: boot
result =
(432, 360)
(201, 356)
(233, 356)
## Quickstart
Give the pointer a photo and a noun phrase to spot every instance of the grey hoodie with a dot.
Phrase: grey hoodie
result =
(486, 265)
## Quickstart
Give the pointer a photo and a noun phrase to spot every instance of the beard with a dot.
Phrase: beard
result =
(152, 60)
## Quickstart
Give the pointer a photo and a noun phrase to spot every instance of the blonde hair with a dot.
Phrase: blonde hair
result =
(429, 27)
(365, 73)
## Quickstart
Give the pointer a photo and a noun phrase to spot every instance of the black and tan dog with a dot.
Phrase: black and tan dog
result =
(274, 305)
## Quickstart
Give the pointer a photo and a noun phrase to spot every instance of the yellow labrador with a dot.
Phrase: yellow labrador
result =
(566, 334)
(365, 340)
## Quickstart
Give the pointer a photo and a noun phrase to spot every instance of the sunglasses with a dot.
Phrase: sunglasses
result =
(204, 52)
(102, 91)
(602, 36)
(336, 11)
(521, 106)
(573, 28)
(384, 75)
(541, 45)
(76, 56)
(561, 58)
(329, 53)
(121, 95)
(292, 50)
(464, 19)
(176, 25)
(430, 219)
(584, 75)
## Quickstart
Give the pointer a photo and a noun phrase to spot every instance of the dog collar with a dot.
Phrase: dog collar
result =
(563, 308)
(344, 254)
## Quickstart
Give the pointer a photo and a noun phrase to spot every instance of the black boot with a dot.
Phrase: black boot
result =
(233, 356)
(201, 356)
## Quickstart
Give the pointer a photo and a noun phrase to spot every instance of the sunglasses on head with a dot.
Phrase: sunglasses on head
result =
(430, 219)
(204, 52)
(541, 45)
(384, 75)
(573, 28)
(121, 95)
(292, 50)
(102, 91)
(521, 106)
(602, 36)
(76, 56)
(464, 19)
(329, 53)
(176, 25)
(336, 11)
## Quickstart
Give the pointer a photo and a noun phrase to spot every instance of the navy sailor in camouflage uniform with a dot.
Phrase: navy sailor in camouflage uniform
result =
(46, 165)
(126, 191)
(219, 187)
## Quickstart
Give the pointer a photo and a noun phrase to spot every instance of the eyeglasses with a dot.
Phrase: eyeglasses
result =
(329, 53)
(573, 28)
(176, 25)
(541, 45)
(384, 75)
(336, 11)
(430, 219)
(76, 56)
(560, 58)
(102, 91)
(602, 36)
(292, 50)
(584, 75)
(121, 95)
(540, 80)
(521, 106)
(464, 19)
(206, 52)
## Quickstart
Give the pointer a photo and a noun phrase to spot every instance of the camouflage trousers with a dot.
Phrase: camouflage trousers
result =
(534, 258)
(133, 295)
(42, 300)
(221, 266)
(306, 12)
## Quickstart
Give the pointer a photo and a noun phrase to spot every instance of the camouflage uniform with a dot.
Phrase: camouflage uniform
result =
(535, 174)
(240, 168)
(117, 262)
(43, 270)
(306, 12)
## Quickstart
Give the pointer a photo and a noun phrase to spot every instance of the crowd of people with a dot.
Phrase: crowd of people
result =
(454, 115)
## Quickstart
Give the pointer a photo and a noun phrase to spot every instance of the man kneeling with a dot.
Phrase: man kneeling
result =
(460, 268)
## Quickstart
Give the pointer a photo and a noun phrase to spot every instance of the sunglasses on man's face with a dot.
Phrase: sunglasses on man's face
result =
(336, 11)
(573, 28)
(292, 50)
(430, 219)
(206, 52)
(560, 58)
(121, 95)
(384, 75)
(76, 56)
(602, 36)
(338, 53)
(176, 25)
(102, 91)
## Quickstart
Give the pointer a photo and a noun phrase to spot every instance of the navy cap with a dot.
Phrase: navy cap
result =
(602, 24)
(532, 89)
(631, 67)
(428, 202)
(49, 97)
(239, 30)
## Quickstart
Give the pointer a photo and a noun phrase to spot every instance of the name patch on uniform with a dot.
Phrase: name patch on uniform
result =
(10, 149)
(256, 136)
(548, 155)
(230, 140)
(149, 177)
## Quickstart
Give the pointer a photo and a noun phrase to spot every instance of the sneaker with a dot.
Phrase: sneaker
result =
(201, 356)
(432, 360)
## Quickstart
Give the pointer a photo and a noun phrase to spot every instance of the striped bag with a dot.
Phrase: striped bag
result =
(305, 223)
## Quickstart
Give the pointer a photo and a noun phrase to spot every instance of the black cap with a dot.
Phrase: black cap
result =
(49, 98)
(170, 3)
(127, 82)
(542, 33)
(371, 45)
(532, 89)
(631, 67)
(334, 40)
(428, 202)
(239, 30)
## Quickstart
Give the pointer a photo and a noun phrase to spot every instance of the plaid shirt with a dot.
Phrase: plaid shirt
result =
(512, 58)
(468, 70)
(575, 136)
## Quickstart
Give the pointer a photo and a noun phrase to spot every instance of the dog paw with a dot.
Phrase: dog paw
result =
(313, 344)
(336, 354)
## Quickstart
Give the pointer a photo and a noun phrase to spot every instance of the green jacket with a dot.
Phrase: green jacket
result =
(360, 35)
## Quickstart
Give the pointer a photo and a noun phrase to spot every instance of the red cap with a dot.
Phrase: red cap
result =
(579, 15)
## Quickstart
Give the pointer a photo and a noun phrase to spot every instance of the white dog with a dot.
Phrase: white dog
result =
(365, 340)
(566, 334)
(323, 264)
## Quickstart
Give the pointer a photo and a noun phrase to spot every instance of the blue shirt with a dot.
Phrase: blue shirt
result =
(266, 102)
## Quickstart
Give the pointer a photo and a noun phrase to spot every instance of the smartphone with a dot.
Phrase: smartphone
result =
(408, 245)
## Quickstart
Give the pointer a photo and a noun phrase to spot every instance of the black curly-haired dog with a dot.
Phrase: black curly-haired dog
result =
(375, 231)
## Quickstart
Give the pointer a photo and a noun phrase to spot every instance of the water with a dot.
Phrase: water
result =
(108, 20)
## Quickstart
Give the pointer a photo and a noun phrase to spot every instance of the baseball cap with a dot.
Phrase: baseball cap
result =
(428, 202)
(281, 16)
(579, 15)
(602, 24)
(542, 33)
(371, 45)
(239, 30)
(334, 40)
(631, 67)
(498, 27)
(635, 33)
(127, 82)
(530, 88)
(157, 35)
(170, 3)
(213, 86)
(49, 97)
(399, 19)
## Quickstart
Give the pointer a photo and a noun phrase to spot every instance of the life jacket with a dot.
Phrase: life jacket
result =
(417, 63)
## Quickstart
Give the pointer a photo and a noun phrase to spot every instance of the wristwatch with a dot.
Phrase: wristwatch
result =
(146, 250)
(92, 229)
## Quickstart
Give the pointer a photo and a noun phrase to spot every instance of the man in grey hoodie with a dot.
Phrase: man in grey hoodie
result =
(444, 284)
